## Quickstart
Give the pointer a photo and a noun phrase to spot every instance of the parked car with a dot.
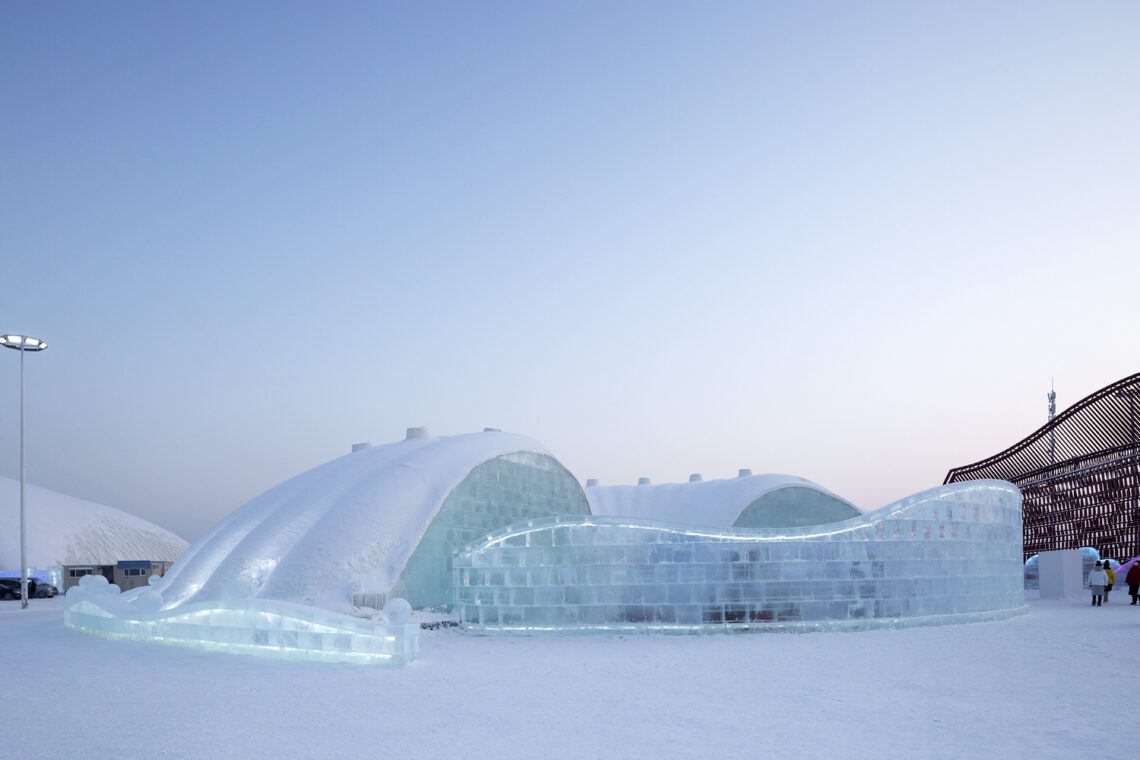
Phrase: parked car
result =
(9, 588)
(37, 589)
(44, 590)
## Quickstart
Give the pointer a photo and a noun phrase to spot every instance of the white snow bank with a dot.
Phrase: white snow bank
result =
(1035, 686)
(64, 530)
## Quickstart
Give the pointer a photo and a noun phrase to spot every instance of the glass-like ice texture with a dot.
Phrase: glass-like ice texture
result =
(948, 555)
(266, 628)
(496, 493)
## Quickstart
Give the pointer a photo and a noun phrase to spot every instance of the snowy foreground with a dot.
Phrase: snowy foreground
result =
(1058, 682)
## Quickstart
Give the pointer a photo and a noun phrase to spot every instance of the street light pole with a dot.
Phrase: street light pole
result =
(22, 343)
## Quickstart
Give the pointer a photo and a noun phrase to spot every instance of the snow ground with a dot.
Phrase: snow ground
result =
(1043, 685)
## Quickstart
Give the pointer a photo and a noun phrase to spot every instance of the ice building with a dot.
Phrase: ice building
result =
(68, 538)
(746, 501)
(948, 555)
(378, 526)
(381, 522)
(491, 527)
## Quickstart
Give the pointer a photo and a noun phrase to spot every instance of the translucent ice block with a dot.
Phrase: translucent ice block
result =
(950, 554)
(248, 626)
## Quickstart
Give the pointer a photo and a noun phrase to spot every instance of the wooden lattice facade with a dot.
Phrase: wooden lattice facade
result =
(1078, 475)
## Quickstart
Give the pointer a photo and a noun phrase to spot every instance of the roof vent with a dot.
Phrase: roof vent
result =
(492, 430)
(745, 473)
(695, 478)
(420, 432)
(591, 482)
(643, 481)
(359, 446)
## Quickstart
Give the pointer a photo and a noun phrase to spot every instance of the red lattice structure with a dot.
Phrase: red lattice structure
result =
(1078, 475)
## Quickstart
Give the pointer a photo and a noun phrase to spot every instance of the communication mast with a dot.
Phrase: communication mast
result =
(1052, 413)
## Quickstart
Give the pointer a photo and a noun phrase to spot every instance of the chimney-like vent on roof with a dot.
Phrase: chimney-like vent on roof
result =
(591, 482)
(745, 473)
(492, 430)
(695, 478)
(643, 481)
(420, 432)
(358, 446)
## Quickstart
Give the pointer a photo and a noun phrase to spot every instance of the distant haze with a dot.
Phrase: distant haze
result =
(853, 242)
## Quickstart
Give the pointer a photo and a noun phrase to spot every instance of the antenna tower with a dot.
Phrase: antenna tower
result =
(1052, 413)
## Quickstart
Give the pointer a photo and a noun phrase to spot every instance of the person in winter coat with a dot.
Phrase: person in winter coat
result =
(1133, 581)
(1097, 580)
(1111, 578)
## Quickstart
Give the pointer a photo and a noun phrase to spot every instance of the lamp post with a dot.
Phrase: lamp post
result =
(22, 343)
(1132, 396)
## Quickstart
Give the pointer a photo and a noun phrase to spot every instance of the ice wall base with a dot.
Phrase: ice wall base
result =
(266, 629)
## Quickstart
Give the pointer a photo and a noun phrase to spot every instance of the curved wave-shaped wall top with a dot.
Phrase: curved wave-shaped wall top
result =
(950, 554)
(379, 518)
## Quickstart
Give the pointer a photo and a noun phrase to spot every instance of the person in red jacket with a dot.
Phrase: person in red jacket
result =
(1133, 580)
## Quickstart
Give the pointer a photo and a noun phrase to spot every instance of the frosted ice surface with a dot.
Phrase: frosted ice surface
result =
(387, 517)
(265, 628)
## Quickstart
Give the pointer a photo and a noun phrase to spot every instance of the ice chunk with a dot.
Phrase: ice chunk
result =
(397, 611)
(148, 600)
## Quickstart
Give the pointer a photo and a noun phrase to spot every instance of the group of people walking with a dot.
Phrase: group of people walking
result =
(1102, 577)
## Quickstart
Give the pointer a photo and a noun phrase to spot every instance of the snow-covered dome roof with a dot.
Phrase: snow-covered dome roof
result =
(358, 518)
(64, 530)
(753, 501)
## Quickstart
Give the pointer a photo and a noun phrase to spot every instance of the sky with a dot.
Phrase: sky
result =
(850, 242)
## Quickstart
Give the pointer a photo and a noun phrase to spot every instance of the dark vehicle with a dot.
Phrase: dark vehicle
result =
(43, 590)
(10, 588)
(37, 589)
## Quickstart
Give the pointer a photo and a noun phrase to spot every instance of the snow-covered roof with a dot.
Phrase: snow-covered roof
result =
(357, 517)
(64, 530)
(713, 503)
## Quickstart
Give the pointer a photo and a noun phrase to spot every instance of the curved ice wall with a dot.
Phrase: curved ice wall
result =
(950, 554)
(497, 492)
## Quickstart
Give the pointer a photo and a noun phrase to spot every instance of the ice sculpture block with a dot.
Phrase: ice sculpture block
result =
(948, 555)
(247, 626)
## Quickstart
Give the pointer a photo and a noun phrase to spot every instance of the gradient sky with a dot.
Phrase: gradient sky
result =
(848, 241)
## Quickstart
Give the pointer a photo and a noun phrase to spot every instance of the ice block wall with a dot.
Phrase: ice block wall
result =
(494, 494)
(948, 555)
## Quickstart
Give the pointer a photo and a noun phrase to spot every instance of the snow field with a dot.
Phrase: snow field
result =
(1047, 684)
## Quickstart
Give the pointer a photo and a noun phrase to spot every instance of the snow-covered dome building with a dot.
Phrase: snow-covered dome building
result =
(380, 522)
(766, 501)
(385, 521)
(63, 530)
